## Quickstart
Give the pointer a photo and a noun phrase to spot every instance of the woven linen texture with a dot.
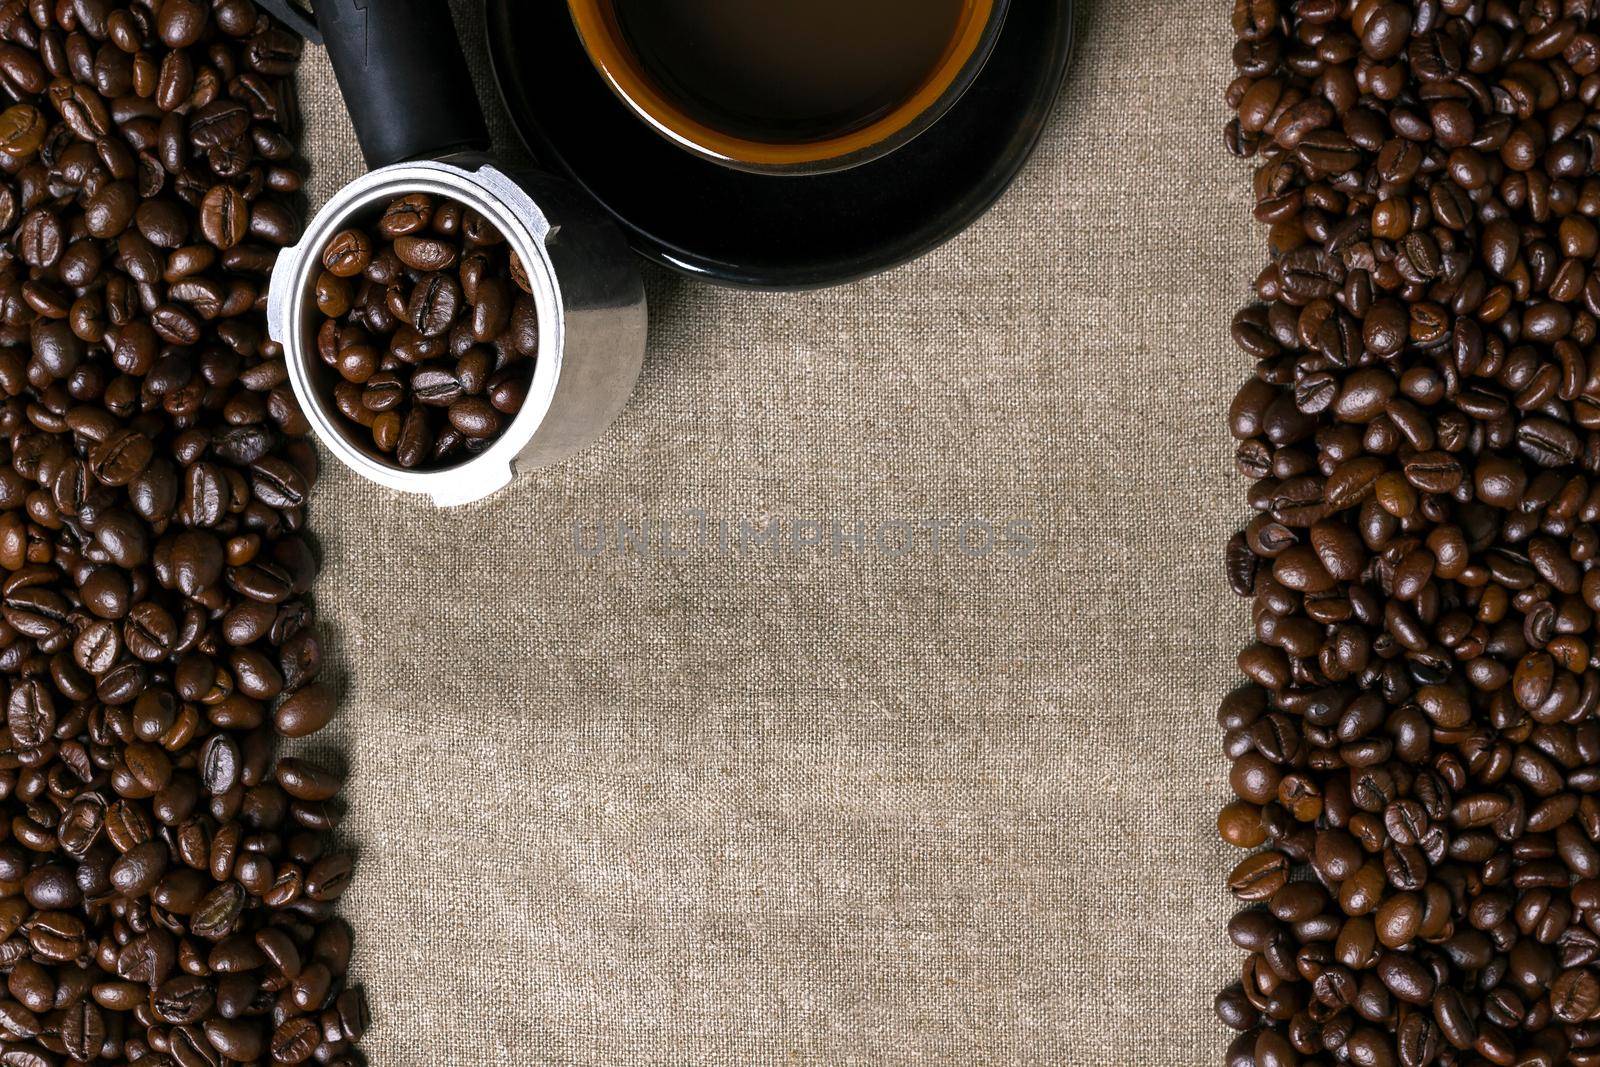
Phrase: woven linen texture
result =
(802, 808)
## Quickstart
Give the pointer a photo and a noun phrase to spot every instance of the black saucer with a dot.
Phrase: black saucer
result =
(778, 232)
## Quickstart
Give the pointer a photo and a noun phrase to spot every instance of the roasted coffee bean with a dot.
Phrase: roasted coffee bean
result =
(436, 386)
(416, 441)
(306, 781)
(224, 216)
(305, 711)
(218, 914)
(83, 1030)
(138, 870)
(222, 122)
(1259, 876)
(241, 1040)
(219, 764)
(295, 1041)
(348, 253)
(351, 1005)
(1575, 995)
(327, 878)
(474, 417)
(508, 392)
(439, 295)
(425, 254)
(434, 305)
(406, 215)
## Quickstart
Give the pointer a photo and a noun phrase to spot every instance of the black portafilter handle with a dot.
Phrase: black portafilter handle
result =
(403, 77)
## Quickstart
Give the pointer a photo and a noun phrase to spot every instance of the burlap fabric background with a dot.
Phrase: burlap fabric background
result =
(861, 810)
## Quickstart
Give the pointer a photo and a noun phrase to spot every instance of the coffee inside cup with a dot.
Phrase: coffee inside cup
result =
(787, 83)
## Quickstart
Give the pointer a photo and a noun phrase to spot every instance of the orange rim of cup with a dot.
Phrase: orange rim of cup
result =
(604, 41)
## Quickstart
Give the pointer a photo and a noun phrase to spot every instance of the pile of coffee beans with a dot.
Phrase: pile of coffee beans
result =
(1416, 752)
(167, 889)
(430, 324)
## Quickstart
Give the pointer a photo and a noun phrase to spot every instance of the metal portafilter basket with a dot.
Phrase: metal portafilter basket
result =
(421, 129)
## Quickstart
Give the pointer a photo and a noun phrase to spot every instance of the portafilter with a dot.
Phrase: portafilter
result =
(421, 129)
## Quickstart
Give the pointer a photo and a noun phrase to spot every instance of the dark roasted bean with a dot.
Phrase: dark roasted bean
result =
(224, 216)
(348, 253)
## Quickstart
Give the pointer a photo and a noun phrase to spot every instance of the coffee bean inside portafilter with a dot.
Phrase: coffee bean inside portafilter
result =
(167, 889)
(1416, 752)
(430, 325)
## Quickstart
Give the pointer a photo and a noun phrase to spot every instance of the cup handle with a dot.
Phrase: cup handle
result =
(403, 77)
